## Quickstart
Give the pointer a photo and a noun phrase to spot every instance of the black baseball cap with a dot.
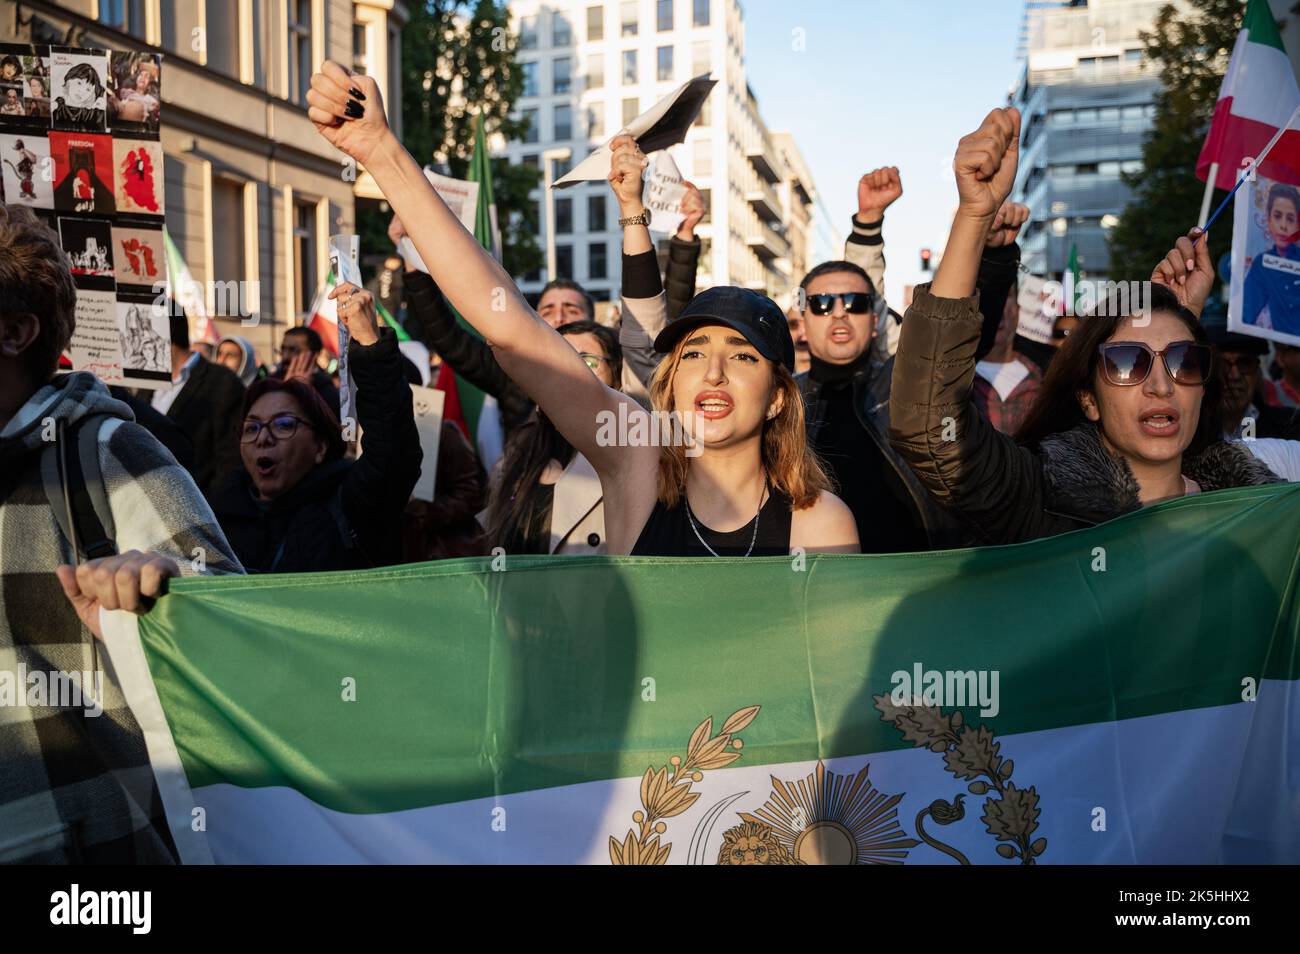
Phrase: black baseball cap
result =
(1226, 340)
(755, 316)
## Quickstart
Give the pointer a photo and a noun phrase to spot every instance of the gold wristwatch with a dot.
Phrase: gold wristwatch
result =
(641, 218)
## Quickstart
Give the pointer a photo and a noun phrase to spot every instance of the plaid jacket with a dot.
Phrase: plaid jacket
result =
(1008, 415)
(76, 787)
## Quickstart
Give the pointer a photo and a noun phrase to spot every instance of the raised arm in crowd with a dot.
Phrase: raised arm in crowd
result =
(1129, 413)
(299, 504)
(728, 362)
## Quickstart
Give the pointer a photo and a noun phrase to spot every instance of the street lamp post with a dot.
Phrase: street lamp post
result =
(550, 156)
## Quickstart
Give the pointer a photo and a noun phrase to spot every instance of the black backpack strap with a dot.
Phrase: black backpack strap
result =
(74, 486)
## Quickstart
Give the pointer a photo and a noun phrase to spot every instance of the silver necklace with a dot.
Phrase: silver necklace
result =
(752, 540)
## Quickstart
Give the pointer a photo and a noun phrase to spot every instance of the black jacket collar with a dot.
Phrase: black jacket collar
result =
(237, 498)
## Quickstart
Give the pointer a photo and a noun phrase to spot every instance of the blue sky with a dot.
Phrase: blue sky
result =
(883, 83)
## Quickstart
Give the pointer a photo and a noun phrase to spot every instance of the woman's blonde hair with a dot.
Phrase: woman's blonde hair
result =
(791, 465)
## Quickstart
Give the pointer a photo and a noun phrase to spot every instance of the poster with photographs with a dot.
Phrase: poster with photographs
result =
(24, 86)
(144, 335)
(27, 170)
(12, 88)
(138, 255)
(135, 92)
(36, 84)
(1265, 290)
(138, 176)
(83, 172)
(79, 89)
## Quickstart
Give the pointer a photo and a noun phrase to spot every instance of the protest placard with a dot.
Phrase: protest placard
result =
(662, 125)
(1265, 292)
(1037, 310)
(427, 404)
(663, 193)
(345, 253)
(461, 196)
(79, 145)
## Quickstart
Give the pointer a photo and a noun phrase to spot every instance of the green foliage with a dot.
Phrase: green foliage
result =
(1191, 51)
(458, 60)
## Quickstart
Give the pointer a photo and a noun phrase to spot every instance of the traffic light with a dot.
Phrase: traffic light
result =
(925, 259)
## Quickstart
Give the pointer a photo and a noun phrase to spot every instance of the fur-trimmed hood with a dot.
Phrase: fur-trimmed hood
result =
(1087, 483)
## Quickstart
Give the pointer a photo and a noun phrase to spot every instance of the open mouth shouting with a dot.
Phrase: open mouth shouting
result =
(841, 334)
(713, 405)
(1159, 422)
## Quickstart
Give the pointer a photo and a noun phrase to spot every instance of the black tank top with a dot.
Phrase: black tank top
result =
(668, 532)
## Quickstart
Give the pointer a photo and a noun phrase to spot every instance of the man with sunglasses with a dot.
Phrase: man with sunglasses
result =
(846, 393)
(846, 389)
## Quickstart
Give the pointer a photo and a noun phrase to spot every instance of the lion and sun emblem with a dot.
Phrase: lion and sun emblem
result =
(829, 818)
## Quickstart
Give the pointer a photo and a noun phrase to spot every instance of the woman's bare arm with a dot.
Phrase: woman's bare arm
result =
(535, 356)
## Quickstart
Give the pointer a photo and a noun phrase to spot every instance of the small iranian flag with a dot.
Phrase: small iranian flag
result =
(324, 318)
(1258, 97)
(186, 292)
(1070, 284)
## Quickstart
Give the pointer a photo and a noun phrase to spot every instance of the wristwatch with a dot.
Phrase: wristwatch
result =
(641, 218)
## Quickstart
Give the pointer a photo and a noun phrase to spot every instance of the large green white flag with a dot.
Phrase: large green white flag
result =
(1126, 694)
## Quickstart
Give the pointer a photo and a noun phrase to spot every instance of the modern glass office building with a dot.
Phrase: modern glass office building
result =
(1086, 95)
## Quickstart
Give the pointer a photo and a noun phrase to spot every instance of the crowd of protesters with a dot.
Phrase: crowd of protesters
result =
(836, 426)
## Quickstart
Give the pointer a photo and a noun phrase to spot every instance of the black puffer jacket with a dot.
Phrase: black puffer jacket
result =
(1001, 491)
(871, 402)
(345, 514)
(679, 275)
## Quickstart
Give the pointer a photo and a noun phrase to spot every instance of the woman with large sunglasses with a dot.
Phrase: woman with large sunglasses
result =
(1129, 412)
(299, 504)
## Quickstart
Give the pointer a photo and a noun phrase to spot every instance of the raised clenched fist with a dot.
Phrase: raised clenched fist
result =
(626, 165)
(985, 164)
(347, 110)
(1187, 271)
(356, 309)
(877, 191)
(1007, 224)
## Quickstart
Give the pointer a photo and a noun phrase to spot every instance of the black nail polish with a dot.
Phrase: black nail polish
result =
(354, 110)
(357, 94)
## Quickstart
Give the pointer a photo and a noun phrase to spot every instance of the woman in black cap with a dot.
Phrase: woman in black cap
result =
(748, 479)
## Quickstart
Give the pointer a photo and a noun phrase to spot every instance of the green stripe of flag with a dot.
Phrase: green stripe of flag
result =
(471, 683)
(1261, 26)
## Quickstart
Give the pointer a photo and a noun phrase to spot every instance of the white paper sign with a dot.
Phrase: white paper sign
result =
(660, 126)
(461, 197)
(345, 250)
(428, 403)
(663, 193)
(1036, 314)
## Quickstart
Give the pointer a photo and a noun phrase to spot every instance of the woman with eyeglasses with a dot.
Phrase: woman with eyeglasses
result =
(299, 504)
(1129, 412)
(750, 487)
(547, 497)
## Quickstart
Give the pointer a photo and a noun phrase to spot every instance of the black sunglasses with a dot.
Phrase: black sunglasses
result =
(1128, 363)
(855, 303)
